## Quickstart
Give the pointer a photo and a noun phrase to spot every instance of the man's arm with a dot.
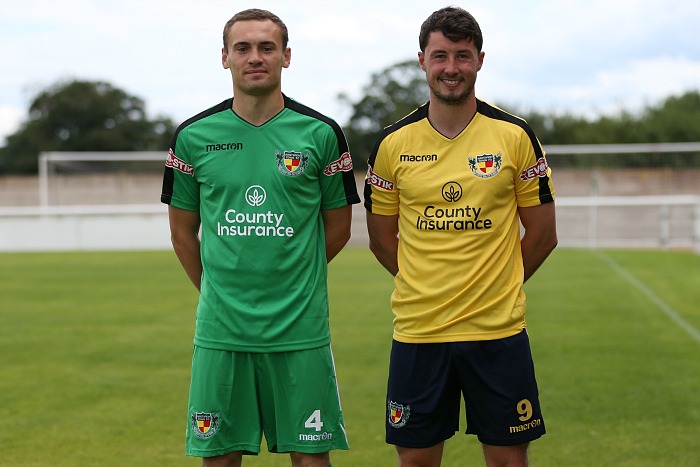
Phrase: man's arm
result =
(336, 225)
(184, 235)
(540, 236)
(384, 240)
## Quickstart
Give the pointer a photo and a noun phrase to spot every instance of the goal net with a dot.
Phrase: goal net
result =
(89, 178)
(627, 195)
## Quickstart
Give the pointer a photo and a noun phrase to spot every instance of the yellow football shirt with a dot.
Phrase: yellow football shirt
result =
(460, 264)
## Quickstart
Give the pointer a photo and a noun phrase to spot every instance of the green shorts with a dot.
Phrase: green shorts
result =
(290, 397)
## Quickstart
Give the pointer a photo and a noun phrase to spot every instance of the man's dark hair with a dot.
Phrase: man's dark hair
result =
(255, 14)
(455, 23)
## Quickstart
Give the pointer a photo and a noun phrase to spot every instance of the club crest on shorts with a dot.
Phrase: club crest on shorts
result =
(485, 165)
(398, 414)
(205, 425)
(291, 163)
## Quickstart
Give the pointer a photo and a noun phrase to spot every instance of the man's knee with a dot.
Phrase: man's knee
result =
(232, 459)
(300, 459)
(420, 457)
(505, 456)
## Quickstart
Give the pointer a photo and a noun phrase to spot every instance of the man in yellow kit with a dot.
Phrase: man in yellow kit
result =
(456, 178)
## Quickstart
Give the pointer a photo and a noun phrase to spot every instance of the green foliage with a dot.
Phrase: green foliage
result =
(390, 95)
(97, 351)
(676, 119)
(398, 89)
(83, 116)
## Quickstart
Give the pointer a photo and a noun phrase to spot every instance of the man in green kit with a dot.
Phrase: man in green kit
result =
(269, 182)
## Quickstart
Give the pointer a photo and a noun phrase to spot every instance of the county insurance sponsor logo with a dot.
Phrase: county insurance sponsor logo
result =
(454, 217)
(251, 221)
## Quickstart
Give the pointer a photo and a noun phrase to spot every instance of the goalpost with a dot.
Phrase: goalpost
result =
(644, 206)
(98, 174)
(598, 206)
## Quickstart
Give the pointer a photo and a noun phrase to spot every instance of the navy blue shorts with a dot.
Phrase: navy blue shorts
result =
(496, 378)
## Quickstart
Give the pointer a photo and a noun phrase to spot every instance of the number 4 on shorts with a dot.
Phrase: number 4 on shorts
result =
(314, 421)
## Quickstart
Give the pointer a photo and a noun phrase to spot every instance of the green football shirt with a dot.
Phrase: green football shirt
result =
(260, 191)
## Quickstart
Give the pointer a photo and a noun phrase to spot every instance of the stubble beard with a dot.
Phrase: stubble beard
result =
(259, 87)
(453, 97)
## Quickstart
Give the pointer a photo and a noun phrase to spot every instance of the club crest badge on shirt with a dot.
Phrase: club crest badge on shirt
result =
(485, 165)
(291, 163)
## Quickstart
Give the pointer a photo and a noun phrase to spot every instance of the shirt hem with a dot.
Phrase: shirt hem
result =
(465, 337)
(289, 347)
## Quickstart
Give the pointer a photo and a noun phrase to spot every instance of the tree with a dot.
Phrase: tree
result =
(83, 116)
(675, 119)
(390, 95)
(400, 88)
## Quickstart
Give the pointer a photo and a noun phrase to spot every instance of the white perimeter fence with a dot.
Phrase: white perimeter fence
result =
(671, 221)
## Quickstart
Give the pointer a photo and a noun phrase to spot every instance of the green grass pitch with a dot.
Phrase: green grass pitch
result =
(96, 352)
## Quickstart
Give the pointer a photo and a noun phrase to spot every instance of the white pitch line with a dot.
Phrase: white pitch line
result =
(661, 305)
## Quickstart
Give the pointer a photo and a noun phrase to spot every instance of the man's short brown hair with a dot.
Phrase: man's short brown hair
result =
(255, 14)
(455, 23)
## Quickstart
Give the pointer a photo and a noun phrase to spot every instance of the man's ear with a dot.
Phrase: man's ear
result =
(481, 61)
(287, 57)
(421, 60)
(224, 57)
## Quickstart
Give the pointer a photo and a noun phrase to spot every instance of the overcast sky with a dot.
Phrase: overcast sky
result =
(586, 57)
